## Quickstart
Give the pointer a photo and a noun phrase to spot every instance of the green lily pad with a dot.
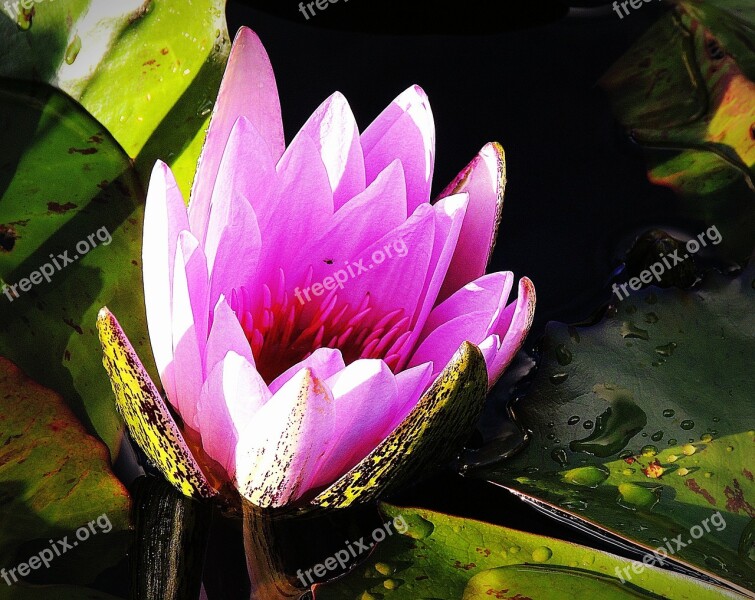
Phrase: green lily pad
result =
(54, 480)
(685, 93)
(148, 70)
(641, 425)
(443, 557)
(66, 187)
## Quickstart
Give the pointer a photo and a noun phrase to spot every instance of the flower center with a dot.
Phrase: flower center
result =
(283, 329)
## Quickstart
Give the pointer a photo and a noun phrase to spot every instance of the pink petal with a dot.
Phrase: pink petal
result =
(411, 383)
(304, 210)
(229, 399)
(449, 216)
(226, 335)
(249, 89)
(484, 179)
(247, 170)
(440, 346)
(366, 399)
(335, 133)
(233, 246)
(349, 231)
(472, 314)
(323, 362)
(404, 130)
(513, 326)
(395, 283)
(189, 324)
(280, 449)
(488, 293)
(164, 218)
(489, 348)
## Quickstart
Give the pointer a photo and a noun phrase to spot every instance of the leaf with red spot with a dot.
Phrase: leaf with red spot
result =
(433, 555)
(54, 479)
(151, 86)
(55, 203)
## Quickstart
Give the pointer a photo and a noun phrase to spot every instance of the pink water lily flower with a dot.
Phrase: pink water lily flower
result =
(311, 294)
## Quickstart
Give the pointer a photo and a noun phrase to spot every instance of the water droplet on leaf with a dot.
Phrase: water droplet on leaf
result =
(621, 421)
(649, 451)
(563, 355)
(589, 476)
(559, 455)
(629, 330)
(635, 496)
(542, 554)
(391, 584)
(688, 449)
(666, 350)
(384, 569)
(558, 378)
(419, 528)
(73, 50)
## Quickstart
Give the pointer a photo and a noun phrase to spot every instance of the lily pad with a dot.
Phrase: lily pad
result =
(71, 206)
(443, 557)
(641, 425)
(54, 480)
(686, 95)
(148, 70)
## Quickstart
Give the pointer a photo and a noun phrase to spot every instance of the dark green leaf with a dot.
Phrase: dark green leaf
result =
(64, 180)
(683, 93)
(642, 424)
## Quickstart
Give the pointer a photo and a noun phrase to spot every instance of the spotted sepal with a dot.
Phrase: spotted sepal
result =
(147, 416)
(430, 434)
